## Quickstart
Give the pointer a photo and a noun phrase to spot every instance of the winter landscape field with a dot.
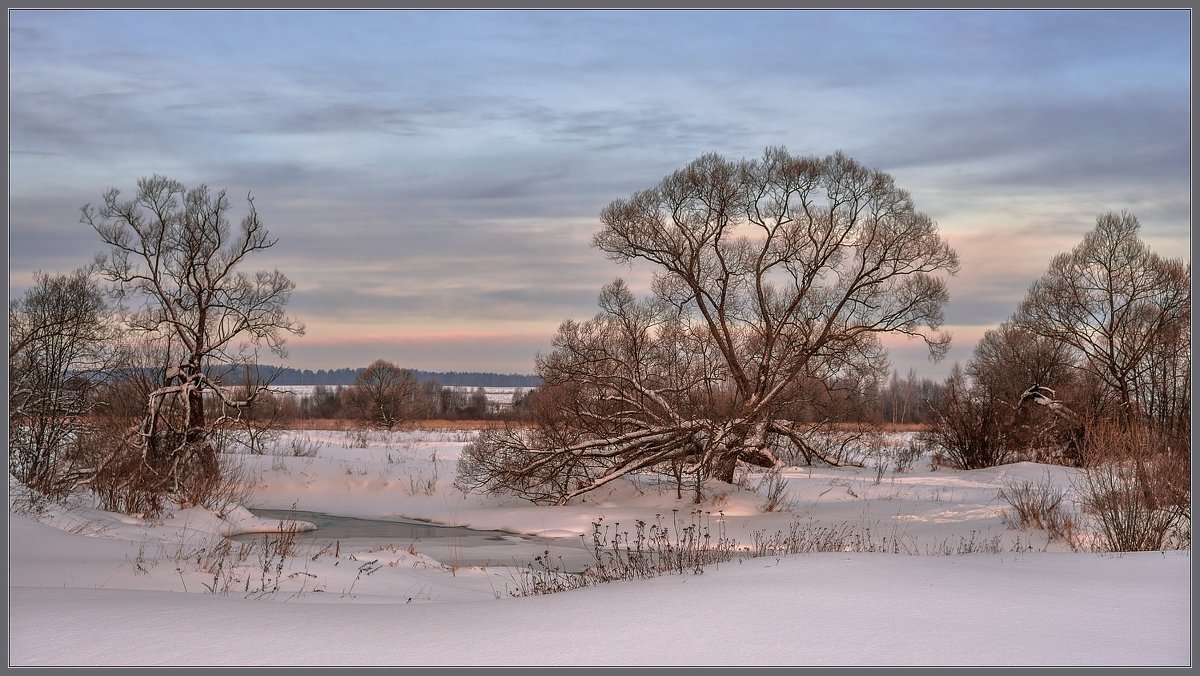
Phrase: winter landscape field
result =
(949, 582)
(600, 338)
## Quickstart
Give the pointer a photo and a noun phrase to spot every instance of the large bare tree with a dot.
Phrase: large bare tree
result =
(176, 261)
(1126, 312)
(774, 280)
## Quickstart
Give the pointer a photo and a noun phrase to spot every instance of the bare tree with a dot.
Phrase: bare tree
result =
(431, 397)
(1126, 311)
(771, 275)
(1101, 342)
(259, 424)
(1010, 359)
(1034, 384)
(898, 399)
(176, 262)
(324, 402)
(385, 394)
(61, 348)
(969, 429)
(1001, 408)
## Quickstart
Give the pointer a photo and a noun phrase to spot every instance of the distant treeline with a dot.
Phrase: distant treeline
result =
(278, 375)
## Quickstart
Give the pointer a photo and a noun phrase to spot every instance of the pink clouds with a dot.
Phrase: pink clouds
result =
(442, 351)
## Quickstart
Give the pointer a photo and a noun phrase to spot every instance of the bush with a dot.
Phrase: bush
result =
(904, 458)
(775, 487)
(304, 447)
(1039, 504)
(122, 481)
(966, 431)
(1137, 485)
(1122, 499)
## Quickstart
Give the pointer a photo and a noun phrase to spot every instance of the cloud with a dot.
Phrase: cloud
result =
(425, 170)
(1039, 143)
(905, 354)
(505, 352)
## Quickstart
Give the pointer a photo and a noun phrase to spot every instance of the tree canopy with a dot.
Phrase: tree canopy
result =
(774, 280)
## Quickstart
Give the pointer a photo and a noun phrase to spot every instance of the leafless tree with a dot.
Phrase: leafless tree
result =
(177, 261)
(61, 348)
(1126, 312)
(997, 409)
(899, 399)
(771, 275)
(385, 394)
(1009, 359)
(324, 402)
(258, 425)
(477, 402)
(1102, 338)
(1034, 384)
(969, 430)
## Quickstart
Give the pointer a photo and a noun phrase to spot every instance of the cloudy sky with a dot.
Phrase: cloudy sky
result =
(434, 177)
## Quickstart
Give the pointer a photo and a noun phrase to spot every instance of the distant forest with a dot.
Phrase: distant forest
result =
(278, 375)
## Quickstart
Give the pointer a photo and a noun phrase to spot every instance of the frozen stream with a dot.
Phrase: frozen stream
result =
(451, 545)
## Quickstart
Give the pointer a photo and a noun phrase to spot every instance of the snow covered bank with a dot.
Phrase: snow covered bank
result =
(91, 588)
(821, 609)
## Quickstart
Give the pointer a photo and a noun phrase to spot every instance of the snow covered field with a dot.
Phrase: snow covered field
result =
(93, 588)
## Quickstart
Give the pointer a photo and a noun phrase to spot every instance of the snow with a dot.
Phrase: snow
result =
(495, 394)
(90, 588)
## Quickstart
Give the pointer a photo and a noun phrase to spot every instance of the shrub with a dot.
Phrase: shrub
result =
(124, 480)
(774, 485)
(1039, 504)
(121, 479)
(966, 430)
(1137, 485)
(304, 447)
(233, 485)
(1035, 502)
(907, 455)
(1122, 498)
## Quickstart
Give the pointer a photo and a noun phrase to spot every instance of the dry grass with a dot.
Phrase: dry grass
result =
(342, 424)
(439, 424)
(323, 424)
(885, 427)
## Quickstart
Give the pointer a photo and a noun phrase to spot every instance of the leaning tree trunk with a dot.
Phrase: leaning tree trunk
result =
(198, 472)
(177, 443)
(197, 432)
(725, 468)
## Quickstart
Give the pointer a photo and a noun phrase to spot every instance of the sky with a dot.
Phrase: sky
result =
(434, 178)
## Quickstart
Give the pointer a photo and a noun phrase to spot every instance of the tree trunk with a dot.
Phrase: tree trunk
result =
(725, 467)
(196, 423)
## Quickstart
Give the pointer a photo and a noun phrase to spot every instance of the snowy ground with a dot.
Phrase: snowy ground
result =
(92, 588)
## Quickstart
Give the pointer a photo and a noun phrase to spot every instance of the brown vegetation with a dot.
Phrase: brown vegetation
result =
(343, 424)
(775, 279)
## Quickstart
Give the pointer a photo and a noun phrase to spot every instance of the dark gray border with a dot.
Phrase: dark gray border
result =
(545, 4)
